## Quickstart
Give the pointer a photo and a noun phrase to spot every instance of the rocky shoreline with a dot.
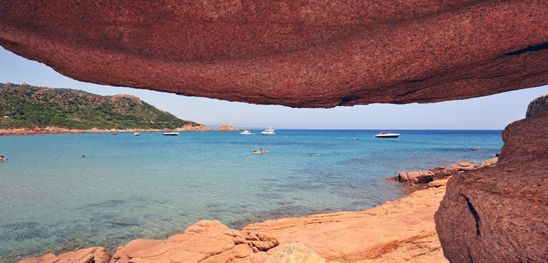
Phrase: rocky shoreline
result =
(396, 231)
(57, 130)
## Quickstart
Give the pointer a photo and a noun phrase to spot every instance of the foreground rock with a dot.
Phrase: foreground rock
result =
(296, 53)
(381, 232)
(86, 255)
(499, 214)
(398, 231)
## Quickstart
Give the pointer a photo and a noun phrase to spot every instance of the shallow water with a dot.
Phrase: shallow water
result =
(152, 186)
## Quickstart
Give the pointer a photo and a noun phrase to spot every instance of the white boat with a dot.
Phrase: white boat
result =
(136, 134)
(246, 132)
(387, 135)
(268, 131)
(171, 133)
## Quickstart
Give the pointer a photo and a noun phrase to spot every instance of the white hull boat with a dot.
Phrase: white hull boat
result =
(387, 135)
(268, 131)
(171, 134)
(246, 132)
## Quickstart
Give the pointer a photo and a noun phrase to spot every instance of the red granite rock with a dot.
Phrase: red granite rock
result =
(86, 255)
(498, 213)
(299, 53)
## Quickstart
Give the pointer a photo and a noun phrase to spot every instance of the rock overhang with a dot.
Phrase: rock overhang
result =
(294, 53)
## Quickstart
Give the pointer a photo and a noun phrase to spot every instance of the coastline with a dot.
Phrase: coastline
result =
(57, 130)
(400, 230)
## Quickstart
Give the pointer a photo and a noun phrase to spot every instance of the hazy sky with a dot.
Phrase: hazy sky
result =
(491, 112)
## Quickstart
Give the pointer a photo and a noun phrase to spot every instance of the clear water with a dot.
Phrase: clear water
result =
(151, 186)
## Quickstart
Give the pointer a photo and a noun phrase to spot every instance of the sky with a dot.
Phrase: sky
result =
(489, 112)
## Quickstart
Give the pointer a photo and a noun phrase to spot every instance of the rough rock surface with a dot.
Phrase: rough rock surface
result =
(319, 53)
(205, 241)
(293, 253)
(398, 231)
(415, 177)
(405, 224)
(86, 255)
(498, 214)
(440, 172)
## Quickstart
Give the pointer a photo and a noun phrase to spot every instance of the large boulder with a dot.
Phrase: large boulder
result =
(205, 241)
(499, 213)
(320, 53)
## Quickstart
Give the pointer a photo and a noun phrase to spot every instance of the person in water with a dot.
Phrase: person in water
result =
(3, 158)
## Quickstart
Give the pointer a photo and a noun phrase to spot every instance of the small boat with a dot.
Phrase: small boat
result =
(260, 151)
(171, 133)
(387, 135)
(136, 134)
(114, 133)
(268, 131)
(246, 132)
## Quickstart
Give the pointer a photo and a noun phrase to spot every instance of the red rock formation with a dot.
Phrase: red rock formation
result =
(86, 255)
(498, 214)
(436, 173)
(298, 53)
(193, 127)
(228, 128)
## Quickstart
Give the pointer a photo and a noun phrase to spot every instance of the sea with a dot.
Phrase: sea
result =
(67, 191)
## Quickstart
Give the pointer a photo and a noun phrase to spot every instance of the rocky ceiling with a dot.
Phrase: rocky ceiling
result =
(298, 53)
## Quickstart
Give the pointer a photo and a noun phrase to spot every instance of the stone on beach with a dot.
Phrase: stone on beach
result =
(416, 177)
(438, 183)
(489, 162)
(293, 253)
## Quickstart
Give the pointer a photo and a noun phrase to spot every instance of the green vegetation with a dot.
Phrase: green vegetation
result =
(25, 106)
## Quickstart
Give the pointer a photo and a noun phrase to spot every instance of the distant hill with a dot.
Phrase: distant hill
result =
(25, 106)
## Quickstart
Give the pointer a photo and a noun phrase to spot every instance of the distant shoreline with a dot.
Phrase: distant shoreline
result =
(57, 130)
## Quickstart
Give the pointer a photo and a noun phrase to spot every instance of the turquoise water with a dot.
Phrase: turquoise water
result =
(126, 187)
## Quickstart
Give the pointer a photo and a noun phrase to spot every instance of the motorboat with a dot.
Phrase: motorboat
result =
(136, 134)
(268, 131)
(172, 133)
(246, 132)
(387, 135)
